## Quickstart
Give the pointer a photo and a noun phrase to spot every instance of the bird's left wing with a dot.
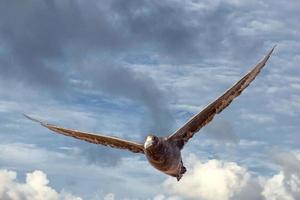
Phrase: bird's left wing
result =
(182, 135)
(94, 138)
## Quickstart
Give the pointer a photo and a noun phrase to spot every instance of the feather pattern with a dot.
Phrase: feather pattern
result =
(111, 141)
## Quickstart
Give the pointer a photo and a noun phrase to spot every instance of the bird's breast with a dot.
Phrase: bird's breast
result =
(165, 158)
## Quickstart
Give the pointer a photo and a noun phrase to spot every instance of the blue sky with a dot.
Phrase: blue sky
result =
(130, 68)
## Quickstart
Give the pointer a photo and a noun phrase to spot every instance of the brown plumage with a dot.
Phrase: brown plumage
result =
(164, 153)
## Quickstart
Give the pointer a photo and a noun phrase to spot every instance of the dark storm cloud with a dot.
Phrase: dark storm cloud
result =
(179, 32)
(26, 43)
(40, 39)
(37, 35)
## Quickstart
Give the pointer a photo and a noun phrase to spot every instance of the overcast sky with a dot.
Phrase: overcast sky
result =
(130, 68)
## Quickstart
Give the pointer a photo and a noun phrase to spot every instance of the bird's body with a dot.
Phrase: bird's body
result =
(164, 156)
(164, 153)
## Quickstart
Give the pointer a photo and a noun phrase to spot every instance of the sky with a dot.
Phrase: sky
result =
(131, 68)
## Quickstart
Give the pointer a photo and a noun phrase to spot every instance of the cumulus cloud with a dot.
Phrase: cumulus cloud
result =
(222, 180)
(35, 187)
(164, 197)
(286, 184)
(213, 180)
(109, 196)
(275, 189)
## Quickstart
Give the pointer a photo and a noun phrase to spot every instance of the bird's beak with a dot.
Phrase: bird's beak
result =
(148, 143)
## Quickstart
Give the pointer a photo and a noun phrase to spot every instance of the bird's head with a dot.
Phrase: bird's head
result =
(151, 141)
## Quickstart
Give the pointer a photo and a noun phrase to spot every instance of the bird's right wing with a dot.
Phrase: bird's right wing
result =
(187, 131)
(94, 138)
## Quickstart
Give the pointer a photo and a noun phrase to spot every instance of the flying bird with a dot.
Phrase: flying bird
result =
(164, 153)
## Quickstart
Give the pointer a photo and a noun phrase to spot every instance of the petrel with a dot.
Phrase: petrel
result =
(164, 153)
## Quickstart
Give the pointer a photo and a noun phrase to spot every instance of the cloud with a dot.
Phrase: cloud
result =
(99, 155)
(60, 34)
(35, 187)
(251, 191)
(125, 83)
(275, 189)
(86, 52)
(109, 196)
(213, 180)
(286, 184)
(46, 44)
(68, 171)
(221, 130)
(164, 197)
(217, 179)
(205, 180)
(45, 38)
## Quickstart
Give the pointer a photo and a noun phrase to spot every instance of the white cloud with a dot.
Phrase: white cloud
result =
(66, 169)
(221, 180)
(35, 187)
(109, 196)
(286, 184)
(213, 180)
(275, 189)
(164, 197)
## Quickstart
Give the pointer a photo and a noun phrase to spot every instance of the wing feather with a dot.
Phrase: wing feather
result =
(111, 141)
(187, 131)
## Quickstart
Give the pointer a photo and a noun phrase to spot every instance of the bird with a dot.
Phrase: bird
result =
(164, 153)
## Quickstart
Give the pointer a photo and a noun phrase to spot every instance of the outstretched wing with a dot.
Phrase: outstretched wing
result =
(187, 131)
(94, 138)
